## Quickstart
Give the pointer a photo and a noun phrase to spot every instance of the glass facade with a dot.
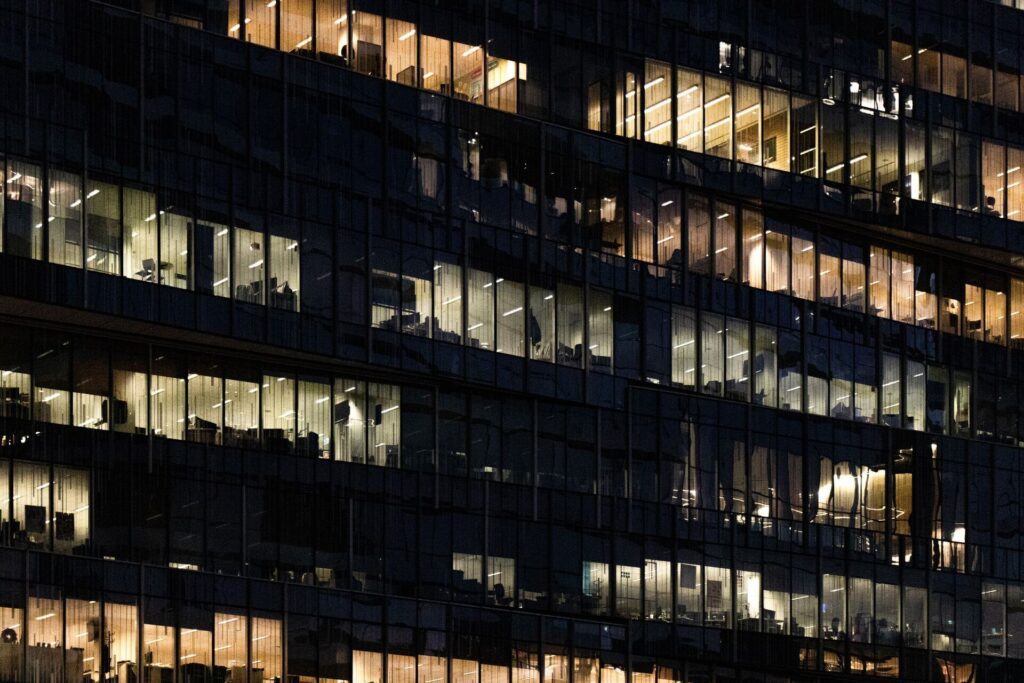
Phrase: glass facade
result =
(414, 342)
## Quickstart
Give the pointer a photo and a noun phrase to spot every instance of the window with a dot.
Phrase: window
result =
(103, 228)
(502, 87)
(448, 301)
(805, 134)
(350, 420)
(658, 590)
(284, 273)
(140, 236)
(250, 265)
(82, 629)
(776, 597)
(995, 316)
(833, 138)
(684, 347)
(689, 609)
(230, 640)
(833, 606)
(241, 411)
(175, 238)
(915, 387)
(332, 28)
(158, 650)
(725, 241)
(367, 41)
(973, 311)
(790, 371)
(776, 262)
(541, 326)
(941, 165)
(993, 178)
(130, 409)
(213, 259)
(887, 156)
(480, 311)
(718, 597)
(657, 99)
(829, 272)
(925, 301)
(45, 624)
(712, 331)
(765, 366)
(1016, 312)
(23, 210)
(880, 270)
(468, 75)
(31, 505)
(601, 331)
(435, 53)
(595, 589)
(915, 179)
(753, 249)
(65, 222)
(570, 325)
(278, 412)
(71, 500)
(803, 264)
(690, 119)
(627, 592)
(866, 396)
(313, 418)
(861, 136)
(384, 425)
(266, 648)
(669, 212)
(961, 403)
(853, 278)
(698, 228)
(121, 629)
(643, 220)
(628, 104)
(891, 402)
(205, 404)
(748, 124)
(902, 64)
(501, 580)
(804, 603)
(401, 52)
(717, 117)
(1014, 187)
(737, 359)
(167, 396)
(902, 287)
(748, 600)
(993, 618)
(510, 317)
(776, 129)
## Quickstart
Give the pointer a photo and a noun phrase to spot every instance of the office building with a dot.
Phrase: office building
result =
(511, 341)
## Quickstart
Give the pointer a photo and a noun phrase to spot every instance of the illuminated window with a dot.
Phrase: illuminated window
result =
(22, 207)
(250, 266)
(65, 221)
(103, 228)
